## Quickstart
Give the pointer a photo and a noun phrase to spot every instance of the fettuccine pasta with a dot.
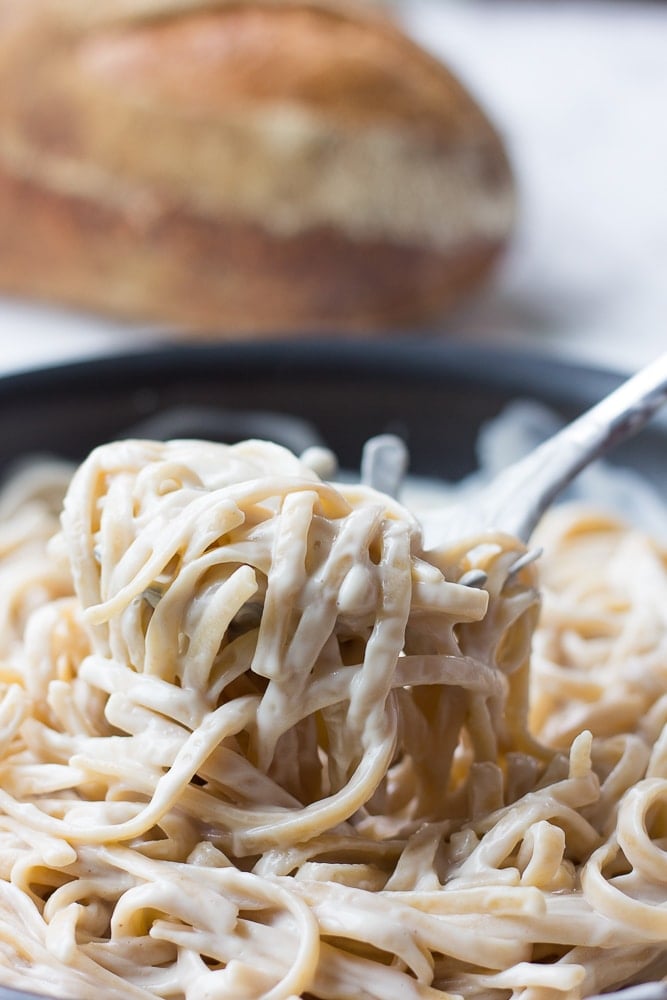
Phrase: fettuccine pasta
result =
(257, 742)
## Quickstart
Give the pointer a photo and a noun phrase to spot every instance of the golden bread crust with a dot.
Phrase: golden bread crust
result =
(229, 167)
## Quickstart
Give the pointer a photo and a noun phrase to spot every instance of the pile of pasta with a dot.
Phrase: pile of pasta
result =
(257, 742)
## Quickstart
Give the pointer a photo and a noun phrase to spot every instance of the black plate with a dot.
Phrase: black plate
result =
(435, 395)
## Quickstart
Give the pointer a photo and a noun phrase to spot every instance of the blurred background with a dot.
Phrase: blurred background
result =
(577, 92)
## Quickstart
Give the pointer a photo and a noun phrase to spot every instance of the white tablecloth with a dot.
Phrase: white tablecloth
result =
(579, 91)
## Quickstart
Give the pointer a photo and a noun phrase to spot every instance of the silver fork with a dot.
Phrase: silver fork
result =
(515, 500)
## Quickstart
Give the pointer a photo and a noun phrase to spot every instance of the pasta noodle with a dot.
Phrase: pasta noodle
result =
(257, 741)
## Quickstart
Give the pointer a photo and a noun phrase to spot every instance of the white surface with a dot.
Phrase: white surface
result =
(579, 91)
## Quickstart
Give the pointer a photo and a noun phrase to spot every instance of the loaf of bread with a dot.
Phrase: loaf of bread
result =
(240, 167)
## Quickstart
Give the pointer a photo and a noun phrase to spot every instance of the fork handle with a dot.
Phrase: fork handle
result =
(521, 495)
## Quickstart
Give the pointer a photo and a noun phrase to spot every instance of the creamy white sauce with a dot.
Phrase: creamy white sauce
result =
(256, 740)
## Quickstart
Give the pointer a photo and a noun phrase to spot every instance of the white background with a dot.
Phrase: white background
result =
(579, 92)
